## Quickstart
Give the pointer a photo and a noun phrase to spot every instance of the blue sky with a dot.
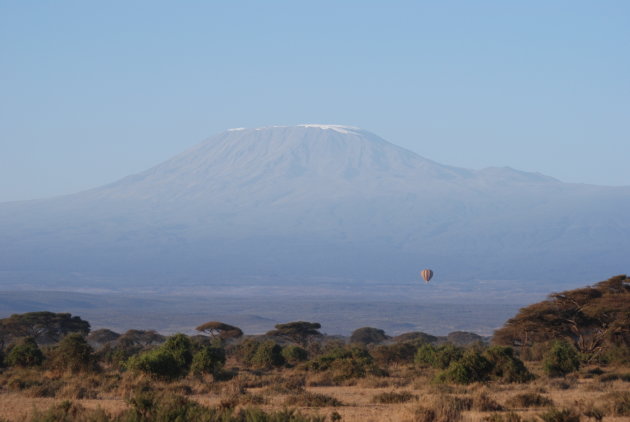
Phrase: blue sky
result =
(93, 91)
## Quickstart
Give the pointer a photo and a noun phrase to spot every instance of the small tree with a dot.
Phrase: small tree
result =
(294, 354)
(170, 361)
(25, 353)
(208, 360)
(506, 366)
(438, 357)
(102, 336)
(157, 363)
(368, 335)
(560, 359)
(180, 346)
(268, 354)
(471, 367)
(73, 353)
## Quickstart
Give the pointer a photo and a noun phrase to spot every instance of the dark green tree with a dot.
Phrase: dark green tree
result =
(73, 353)
(368, 335)
(298, 331)
(25, 353)
(44, 327)
(217, 329)
(208, 360)
(561, 359)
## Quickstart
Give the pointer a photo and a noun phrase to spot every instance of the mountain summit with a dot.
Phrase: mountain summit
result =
(316, 203)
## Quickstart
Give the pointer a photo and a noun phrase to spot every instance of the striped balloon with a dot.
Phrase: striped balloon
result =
(426, 274)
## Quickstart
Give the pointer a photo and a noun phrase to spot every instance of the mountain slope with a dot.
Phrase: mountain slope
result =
(314, 203)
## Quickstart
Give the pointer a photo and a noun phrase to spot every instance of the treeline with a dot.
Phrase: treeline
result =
(569, 329)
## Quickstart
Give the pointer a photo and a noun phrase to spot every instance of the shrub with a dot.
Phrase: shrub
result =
(157, 363)
(505, 366)
(268, 354)
(208, 360)
(25, 353)
(394, 353)
(482, 402)
(308, 399)
(394, 397)
(618, 403)
(294, 354)
(503, 417)
(444, 409)
(438, 357)
(528, 400)
(347, 363)
(180, 347)
(73, 353)
(560, 359)
(557, 415)
(68, 411)
(472, 367)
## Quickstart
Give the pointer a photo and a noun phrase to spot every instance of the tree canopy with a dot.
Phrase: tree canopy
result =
(591, 318)
(217, 329)
(368, 335)
(298, 331)
(44, 327)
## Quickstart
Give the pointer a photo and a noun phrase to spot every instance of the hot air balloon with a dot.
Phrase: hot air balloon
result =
(426, 274)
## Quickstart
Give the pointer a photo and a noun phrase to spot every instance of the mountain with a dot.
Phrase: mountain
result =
(315, 205)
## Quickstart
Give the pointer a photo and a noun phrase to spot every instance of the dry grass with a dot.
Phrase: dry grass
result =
(406, 396)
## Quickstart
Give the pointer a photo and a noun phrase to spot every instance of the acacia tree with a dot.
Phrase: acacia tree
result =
(44, 327)
(221, 330)
(297, 331)
(590, 318)
(368, 335)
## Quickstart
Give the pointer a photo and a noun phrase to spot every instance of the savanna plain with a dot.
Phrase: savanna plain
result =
(566, 358)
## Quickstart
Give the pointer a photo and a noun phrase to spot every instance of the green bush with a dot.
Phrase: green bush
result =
(25, 353)
(505, 366)
(397, 353)
(438, 357)
(170, 361)
(180, 346)
(560, 359)
(347, 363)
(294, 354)
(157, 363)
(208, 360)
(472, 367)
(73, 353)
(268, 354)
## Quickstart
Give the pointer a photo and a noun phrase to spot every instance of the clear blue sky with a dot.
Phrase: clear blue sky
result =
(93, 91)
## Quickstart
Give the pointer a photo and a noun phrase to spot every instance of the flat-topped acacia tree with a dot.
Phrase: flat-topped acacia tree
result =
(221, 330)
(297, 331)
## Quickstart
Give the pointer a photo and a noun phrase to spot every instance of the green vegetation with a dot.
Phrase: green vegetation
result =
(25, 352)
(561, 359)
(159, 376)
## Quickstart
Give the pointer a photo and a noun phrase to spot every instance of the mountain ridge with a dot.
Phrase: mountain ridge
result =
(319, 202)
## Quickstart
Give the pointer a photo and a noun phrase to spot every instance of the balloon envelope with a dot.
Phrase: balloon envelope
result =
(426, 275)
